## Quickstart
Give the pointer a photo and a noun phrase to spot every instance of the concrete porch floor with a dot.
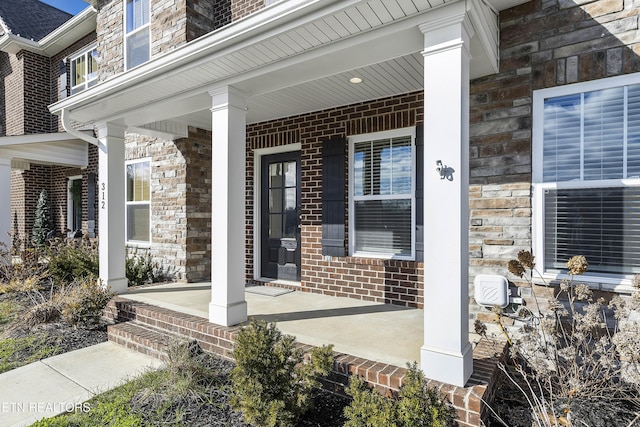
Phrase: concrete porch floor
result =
(379, 332)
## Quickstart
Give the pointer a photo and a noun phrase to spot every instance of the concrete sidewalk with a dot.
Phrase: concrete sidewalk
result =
(62, 383)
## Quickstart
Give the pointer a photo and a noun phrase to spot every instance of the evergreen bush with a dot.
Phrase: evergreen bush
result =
(141, 269)
(416, 405)
(43, 223)
(272, 381)
(73, 259)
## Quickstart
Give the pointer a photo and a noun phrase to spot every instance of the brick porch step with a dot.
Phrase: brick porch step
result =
(142, 338)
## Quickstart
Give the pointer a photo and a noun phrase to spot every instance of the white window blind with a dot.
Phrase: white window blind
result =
(603, 224)
(382, 196)
(591, 144)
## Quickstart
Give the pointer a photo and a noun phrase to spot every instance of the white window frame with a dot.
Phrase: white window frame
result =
(133, 33)
(352, 140)
(87, 82)
(609, 282)
(137, 243)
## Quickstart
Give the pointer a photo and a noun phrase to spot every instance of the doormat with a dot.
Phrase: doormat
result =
(269, 291)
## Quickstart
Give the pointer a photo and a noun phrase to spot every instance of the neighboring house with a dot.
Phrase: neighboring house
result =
(382, 150)
(43, 59)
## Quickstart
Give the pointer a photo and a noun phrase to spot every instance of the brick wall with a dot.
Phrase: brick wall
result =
(61, 89)
(37, 93)
(242, 8)
(205, 16)
(5, 67)
(25, 190)
(13, 99)
(25, 93)
(18, 210)
(543, 44)
(391, 281)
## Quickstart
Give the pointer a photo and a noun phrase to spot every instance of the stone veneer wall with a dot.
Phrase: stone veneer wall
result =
(173, 23)
(180, 202)
(390, 281)
(543, 43)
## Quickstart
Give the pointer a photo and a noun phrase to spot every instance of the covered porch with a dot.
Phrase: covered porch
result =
(380, 332)
(24, 152)
(375, 341)
(292, 58)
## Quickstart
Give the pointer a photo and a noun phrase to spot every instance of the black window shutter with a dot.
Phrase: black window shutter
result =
(62, 80)
(420, 192)
(91, 200)
(333, 197)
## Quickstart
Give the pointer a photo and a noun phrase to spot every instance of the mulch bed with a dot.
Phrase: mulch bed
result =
(512, 407)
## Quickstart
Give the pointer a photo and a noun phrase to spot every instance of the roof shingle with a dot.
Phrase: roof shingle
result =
(30, 19)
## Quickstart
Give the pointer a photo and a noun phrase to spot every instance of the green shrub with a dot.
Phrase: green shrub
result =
(82, 303)
(71, 259)
(272, 382)
(369, 408)
(141, 269)
(43, 223)
(416, 405)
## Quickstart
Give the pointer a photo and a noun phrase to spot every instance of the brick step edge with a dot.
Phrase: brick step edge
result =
(212, 338)
(143, 339)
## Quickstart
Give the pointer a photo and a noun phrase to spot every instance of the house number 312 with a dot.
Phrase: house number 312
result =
(103, 199)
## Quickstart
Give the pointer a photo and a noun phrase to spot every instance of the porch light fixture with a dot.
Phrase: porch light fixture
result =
(355, 80)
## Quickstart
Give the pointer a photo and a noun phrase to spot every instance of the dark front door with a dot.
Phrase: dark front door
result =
(280, 258)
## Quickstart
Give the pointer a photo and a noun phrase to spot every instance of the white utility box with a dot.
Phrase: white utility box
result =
(491, 290)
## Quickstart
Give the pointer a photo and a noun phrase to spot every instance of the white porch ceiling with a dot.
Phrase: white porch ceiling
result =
(296, 56)
(48, 149)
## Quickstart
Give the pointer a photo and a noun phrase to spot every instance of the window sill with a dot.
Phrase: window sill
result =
(619, 285)
(138, 244)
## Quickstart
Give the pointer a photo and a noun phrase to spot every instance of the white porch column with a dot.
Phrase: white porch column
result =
(446, 354)
(111, 206)
(228, 306)
(5, 200)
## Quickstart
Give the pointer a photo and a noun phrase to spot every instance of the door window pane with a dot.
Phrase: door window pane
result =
(275, 226)
(275, 200)
(290, 174)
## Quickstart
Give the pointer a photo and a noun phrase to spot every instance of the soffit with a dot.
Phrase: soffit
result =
(294, 57)
(51, 149)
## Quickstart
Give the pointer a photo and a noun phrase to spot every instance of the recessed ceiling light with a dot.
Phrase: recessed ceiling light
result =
(355, 80)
